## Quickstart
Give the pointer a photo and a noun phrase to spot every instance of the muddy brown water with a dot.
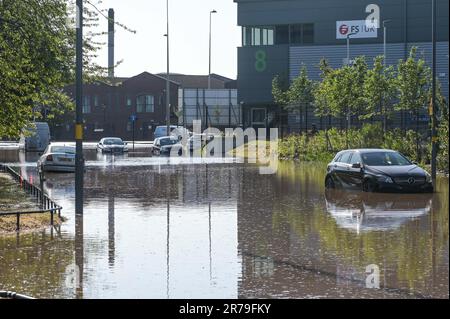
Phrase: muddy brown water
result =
(161, 228)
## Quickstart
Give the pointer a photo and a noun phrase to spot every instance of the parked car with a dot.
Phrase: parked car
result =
(178, 131)
(35, 138)
(373, 170)
(198, 141)
(112, 145)
(57, 157)
(164, 146)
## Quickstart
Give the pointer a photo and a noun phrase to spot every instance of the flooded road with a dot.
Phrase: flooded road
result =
(163, 228)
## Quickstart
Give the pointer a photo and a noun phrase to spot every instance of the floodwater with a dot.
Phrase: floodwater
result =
(162, 228)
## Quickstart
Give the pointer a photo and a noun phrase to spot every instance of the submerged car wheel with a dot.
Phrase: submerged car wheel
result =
(329, 183)
(368, 186)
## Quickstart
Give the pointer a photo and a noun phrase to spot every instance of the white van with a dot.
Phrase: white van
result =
(37, 139)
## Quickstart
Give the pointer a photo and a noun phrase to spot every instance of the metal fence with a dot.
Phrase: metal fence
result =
(47, 204)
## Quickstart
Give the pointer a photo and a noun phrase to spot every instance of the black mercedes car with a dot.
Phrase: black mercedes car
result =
(377, 170)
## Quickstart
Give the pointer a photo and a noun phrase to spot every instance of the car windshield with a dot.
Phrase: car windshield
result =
(384, 159)
(113, 141)
(168, 141)
(63, 149)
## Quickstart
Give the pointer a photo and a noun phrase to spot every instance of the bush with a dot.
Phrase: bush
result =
(323, 146)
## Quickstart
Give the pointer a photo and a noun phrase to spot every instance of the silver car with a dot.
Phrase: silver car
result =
(57, 157)
(112, 145)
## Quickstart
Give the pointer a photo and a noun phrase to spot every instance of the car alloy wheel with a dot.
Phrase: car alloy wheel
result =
(368, 186)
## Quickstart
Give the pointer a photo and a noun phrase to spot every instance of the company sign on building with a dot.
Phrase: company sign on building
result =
(359, 29)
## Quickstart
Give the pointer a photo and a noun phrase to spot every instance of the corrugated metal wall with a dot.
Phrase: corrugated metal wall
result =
(310, 57)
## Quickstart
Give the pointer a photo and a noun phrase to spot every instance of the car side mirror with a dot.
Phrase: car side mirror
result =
(357, 165)
(415, 163)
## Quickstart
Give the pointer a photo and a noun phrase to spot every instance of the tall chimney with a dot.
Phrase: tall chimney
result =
(111, 43)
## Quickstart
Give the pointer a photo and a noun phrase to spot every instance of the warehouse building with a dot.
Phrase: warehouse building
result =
(281, 36)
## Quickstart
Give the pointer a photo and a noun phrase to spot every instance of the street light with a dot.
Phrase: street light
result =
(168, 75)
(434, 148)
(210, 24)
(385, 40)
(348, 46)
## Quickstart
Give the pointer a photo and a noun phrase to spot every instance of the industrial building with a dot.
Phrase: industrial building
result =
(281, 36)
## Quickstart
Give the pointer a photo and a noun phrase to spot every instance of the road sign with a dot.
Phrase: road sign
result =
(133, 118)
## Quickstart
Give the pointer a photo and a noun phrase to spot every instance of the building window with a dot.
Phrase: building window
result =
(96, 103)
(129, 102)
(253, 36)
(308, 33)
(282, 34)
(296, 33)
(86, 104)
(259, 116)
(145, 104)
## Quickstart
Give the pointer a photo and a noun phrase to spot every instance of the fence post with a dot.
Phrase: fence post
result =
(18, 222)
(51, 217)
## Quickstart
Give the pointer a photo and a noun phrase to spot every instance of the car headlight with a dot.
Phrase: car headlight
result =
(385, 179)
(428, 177)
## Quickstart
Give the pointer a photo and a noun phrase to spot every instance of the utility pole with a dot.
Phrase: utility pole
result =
(433, 101)
(210, 25)
(168, 75)
(79, 161)
(385, 40)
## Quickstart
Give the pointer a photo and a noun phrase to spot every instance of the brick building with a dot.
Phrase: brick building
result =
(107, 108)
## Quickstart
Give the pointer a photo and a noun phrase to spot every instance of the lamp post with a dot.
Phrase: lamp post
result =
(385, 40)
(210, 25)
(168, 74)
(79, 112)
(348, 46)
(433, 101)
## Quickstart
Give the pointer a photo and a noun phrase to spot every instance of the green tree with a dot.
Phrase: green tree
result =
(37, 54)
(344, 91)
(413, 85)
(443, 132)
(379, 91)
(298, 97)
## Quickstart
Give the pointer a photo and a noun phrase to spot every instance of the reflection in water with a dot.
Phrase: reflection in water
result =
(294, 245)
(224, 231)
(111, 232)
(370, 212)
(79, 256)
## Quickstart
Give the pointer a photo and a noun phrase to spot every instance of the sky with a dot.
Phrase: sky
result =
(189, 36)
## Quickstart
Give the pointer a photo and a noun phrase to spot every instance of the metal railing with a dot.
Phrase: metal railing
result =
(46, 203)
(13, 295)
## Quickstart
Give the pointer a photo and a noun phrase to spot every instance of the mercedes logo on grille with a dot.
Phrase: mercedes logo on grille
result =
(411, 180)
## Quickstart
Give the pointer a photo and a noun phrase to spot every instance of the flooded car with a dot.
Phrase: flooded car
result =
(58, 157)
(377, 170)
(112, 145)
(165, 145)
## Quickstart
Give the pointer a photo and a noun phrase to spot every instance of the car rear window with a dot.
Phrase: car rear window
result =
(63, 149)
